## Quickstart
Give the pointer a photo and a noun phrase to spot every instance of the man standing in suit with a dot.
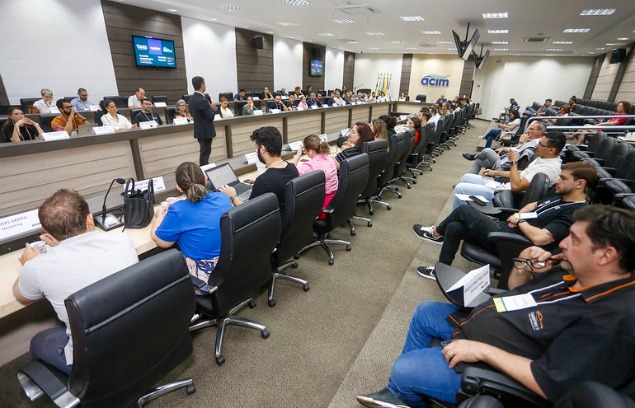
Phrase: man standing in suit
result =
(203, 112)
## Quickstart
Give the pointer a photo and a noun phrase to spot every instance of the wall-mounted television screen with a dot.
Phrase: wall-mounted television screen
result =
(153, 52)
(316, 68)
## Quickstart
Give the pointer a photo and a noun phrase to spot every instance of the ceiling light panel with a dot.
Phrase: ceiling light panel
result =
(287, 24)
(597, 12)
(326, 35)
(444, 42)
(563, 42)
(297, 2)
(576, 30)
(344, 21)
(431, 32)
(501, 49)
(412, 18)
(495, 15)
(230, 7)
(498, 31)
(500, 42)
(374, 33)
(553, 49)
(622, 39)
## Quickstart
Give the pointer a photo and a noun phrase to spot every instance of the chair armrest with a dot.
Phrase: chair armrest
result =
(610, 170)
(510, 392)
(508, 237)
(37, 378)
(202, 285)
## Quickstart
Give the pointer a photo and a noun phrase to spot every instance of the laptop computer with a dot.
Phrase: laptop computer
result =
(224, 175)
(86, 129)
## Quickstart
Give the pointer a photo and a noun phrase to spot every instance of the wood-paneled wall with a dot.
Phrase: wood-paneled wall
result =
(307, 55)
(467, 80)
(122, 22)
(254, 66)
(593, 77)
(349, 70)
(406, 70)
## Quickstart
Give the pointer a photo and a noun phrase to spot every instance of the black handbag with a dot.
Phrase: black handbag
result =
(138, 207)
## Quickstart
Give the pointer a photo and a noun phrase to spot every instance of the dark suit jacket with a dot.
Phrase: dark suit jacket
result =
(203, 116)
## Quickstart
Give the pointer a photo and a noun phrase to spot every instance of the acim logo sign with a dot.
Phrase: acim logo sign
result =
(435, 80)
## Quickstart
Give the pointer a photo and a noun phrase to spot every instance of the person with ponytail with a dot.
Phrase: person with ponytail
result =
(318, 153)
(193, 223)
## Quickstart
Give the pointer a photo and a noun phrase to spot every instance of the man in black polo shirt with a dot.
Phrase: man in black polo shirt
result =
(545, 222)
(146, 114)
(573, 322)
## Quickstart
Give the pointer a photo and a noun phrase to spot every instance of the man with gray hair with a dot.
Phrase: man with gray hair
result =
(498, 159)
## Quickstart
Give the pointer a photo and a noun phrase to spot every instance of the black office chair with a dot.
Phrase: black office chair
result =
(397, 147)
(133, 114)
(124, 338)
(45, 121)
(418, 156)
(228, 95)
(120, 101)
(304, 197)
(353, 178)
(402, 164)
(507, 202)
(421, 98)
(27, 102)
(169, 114)
(186, 98)
(376, 151)
(238, 107)
(159, 98)
(249, 234)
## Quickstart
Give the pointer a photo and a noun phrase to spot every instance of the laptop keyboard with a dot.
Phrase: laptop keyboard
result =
(241, 188)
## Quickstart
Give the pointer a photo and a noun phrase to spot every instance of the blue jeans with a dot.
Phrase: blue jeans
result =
(472, 184)
(421, 370)
(490, 136)
(48, 346)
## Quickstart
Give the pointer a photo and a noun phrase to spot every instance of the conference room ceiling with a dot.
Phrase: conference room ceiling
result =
(535, 27)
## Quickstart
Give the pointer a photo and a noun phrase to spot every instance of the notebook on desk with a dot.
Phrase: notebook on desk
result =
(224, 175)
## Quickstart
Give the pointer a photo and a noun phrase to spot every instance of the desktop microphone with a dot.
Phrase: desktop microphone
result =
(341, 140)
(106, 220)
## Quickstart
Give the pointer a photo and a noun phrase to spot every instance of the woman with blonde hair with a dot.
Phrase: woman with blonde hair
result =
(319, 159)
(380, 131)
(194, 222)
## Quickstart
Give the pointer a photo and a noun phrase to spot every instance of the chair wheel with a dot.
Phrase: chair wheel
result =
(331, 261)
(389, 208)
(414, 181)
(348, 247)
(409, 186)
(399, 196)
(294, 265)
(190, 389)
(353, 233)
(272, 302)
(251, 304)
(370, 224)
(220, 360)
(306, 287)
(371, 212)
(264, 334)
(296, 256)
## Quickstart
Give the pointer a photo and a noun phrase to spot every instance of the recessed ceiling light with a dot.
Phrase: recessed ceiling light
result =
(495, 15)
(230, 7)
(373, 48)
(412, 18)
(576, 30)
(501, 49)
(213, 19)
(411, 48)
(622, 39)
(171, 10)
(610, 43)
(374, 33)
(287, 24)
(431, 32)
(396, 42)
(591, 52)
(297, 2)
(326, 35)
(563, 42)
(553, 49)
(444, 42)
(597, 12)
(344, 21)
(270, 32)
(452, 49)
(500, 42)
(599, 49)
(352, 42)
(498, 31)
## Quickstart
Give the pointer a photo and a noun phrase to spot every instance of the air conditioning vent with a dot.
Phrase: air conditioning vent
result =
(358, 10)
(536, 39)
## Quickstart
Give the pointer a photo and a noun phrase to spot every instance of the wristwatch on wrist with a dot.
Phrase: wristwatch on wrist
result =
(513, 163)
(521, 220)
(232, 198)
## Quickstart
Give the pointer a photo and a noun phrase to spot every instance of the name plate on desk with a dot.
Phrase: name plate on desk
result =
(470, 286)
(258, 112)
(94, 108)
(208, 166)
(53, 109)
(180, 121)
(324, 137)
(19, 224)
(274, 110)
(160, 104)
(255, 98)
(103, 130)
(314, 106)
(148, 125)
(251, 158)
(295, 146)
(53, 136)
(157, 182)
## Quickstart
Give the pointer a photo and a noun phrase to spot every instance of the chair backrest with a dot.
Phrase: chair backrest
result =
(124, 340)
(26, 102)
(400, 150)
(407, 149)
(249, 233)
(627, 169)
(238, 107)
(617, 155)
(353, 179)
(159, 98)
(169, 114)
(396, 142)
(304, 197)
(421, 98)
(595, 141)
(538, 189)
(133, 113)
(605, 149)
(45, 121)
(186, 98)
(376, 151)
(228, 95)
(120, 101)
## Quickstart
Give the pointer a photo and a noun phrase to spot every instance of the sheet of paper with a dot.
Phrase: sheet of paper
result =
(18, 224)
(466, 197)
(493, 184)
(180, 121)
(473, 283)
(103, 130)
(511, 303)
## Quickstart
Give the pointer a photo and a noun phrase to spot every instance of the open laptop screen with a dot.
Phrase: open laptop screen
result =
(221, 175)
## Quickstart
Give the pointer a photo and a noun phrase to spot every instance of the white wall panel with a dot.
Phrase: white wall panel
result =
(369, 66)
(450, 67)
(334, 69)
(287, 63)
(529, 79)
(57, 44)
(210, 52)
